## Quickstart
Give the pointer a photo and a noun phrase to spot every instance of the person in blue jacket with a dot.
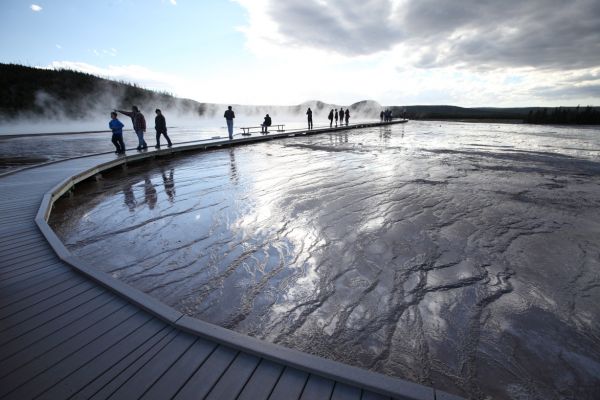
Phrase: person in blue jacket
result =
(117, 133)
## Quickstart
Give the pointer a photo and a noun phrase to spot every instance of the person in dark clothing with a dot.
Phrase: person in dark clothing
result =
(336, 116)
(330, 116)
(265, 125)
(160, 124)
(309, 115)
(117, 133)
(347, 115)
(381, 114)
(139, 125)
(341, 116)
(229, 116)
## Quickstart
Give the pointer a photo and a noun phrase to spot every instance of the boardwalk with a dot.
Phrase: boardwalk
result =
(67, 331)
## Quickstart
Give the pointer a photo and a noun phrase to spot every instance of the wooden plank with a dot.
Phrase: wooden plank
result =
(14, 261)
(25, 263)
(155, 368)
(20, 249)
(56, 372)
(30, 363)
(33, 279)
(16, 293)
(42, 307)
(290, 385)
(70, 332)
(105, 363)
(16, 275)
(25, 235)
(233, 380)
(342, 391)
(40, 297)
(170, 382)
(317, 387)
(32, 276)
(262, 382)
(20, 336)
(24, 230)
(105, 383)
(207, 375)
(27, 238)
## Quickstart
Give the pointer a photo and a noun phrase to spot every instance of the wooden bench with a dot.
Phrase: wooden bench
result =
(246, 131)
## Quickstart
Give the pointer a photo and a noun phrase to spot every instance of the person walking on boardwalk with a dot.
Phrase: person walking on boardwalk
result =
(330, 116)
(160, 124)
(116, 127)
(139, 125)
(229, 116)
(265, 125)
(309, 116)
(347, 115)
(341, 116)
(381, 115)
(336, 117)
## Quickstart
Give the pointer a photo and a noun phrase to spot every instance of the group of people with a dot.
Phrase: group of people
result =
(385, 115)
(341, 115)
(139, 126)
(160, 125)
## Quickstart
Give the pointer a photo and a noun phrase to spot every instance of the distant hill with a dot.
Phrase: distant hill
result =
(44, 94)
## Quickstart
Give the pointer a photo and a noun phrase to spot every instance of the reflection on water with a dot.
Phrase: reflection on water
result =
(461, 256)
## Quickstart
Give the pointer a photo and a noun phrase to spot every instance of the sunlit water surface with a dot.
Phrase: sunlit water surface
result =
(464, 256)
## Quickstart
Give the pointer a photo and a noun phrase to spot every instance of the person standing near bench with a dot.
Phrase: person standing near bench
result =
(116, 127)
(139, 125)
(160, 124)
(229, 116)
(309, 114)
(265, 125)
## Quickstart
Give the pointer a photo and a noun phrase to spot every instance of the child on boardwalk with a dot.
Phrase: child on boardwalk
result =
(117, 133)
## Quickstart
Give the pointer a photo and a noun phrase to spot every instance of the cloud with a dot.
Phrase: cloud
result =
(549, 34)
(36, 8)
(174, 2)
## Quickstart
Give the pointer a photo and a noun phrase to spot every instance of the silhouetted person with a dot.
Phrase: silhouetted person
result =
(347, 115)
(265, 125)
(139, 125)
(229, 116)
(117, 133)
(309, 116)
(160, 124)
(330, 116)
(381, 114)
(336, 116)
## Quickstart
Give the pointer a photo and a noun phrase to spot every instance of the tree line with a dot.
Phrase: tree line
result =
(565, 115)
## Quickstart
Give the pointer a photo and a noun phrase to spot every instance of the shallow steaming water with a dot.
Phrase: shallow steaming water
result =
(464, 256)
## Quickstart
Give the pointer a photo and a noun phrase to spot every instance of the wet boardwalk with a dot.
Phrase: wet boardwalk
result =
(67, 331)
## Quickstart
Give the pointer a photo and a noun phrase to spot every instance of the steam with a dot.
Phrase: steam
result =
(91, 112)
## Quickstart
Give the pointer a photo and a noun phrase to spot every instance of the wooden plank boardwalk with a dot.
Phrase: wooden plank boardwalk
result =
(68, 332)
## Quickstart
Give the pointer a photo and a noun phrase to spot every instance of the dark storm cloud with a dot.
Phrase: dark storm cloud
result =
(553, 34)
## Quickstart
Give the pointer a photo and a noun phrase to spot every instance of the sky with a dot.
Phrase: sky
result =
(470, 53)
